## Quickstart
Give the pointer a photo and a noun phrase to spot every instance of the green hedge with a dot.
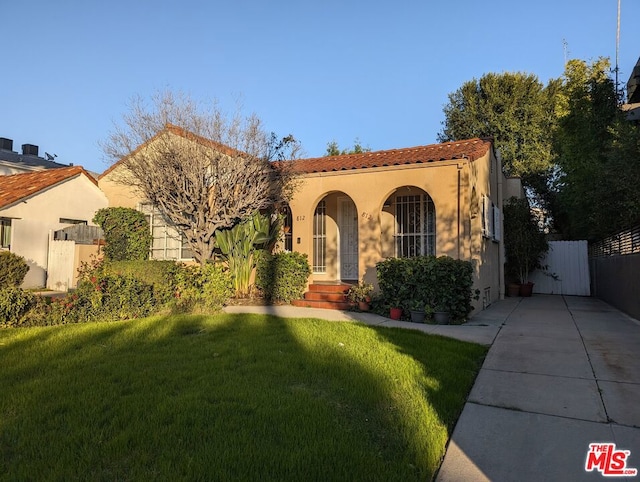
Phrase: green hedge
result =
(126, 233)
(119, 291)
(207, 287)
(443, 283)
(14, 305)
(13, 269)
(162, 275)
(282, 276)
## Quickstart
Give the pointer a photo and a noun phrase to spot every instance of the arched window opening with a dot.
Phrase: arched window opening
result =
(415, 233)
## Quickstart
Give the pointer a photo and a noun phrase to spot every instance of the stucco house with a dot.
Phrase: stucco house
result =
(33, 205)
(351, 211)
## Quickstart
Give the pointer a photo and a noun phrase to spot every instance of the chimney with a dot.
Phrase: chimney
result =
(29, 150)
(6, 144)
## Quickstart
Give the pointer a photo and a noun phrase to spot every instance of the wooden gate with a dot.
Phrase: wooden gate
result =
(60, 265)
(567, 270)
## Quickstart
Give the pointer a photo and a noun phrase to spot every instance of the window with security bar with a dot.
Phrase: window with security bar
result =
(320, 238)
(415, 226)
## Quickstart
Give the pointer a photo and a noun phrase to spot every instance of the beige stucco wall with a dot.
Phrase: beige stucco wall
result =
(369, 189)
(114, 183)
(34, 218)
(117, 192)
(487, 254)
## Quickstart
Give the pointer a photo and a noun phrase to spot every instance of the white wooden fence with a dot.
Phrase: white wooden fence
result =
(60, 265)
(567, 270)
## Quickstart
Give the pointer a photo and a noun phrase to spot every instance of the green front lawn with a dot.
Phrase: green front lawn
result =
(228, 397)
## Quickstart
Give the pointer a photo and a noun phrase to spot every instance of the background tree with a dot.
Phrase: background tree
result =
(126, 232)
(517, 110)
(524, 242)
(333, 149)
(594, 191)
(204, 169)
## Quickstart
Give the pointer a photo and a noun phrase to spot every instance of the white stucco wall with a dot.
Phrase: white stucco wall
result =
(34, 218)
(8, 168)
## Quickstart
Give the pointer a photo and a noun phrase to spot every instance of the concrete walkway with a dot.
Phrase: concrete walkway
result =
(562, 373)
(482, 328)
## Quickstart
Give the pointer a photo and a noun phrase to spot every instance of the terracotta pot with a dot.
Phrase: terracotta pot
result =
(513, 289)
(526, 289)
(395, 313)
(363, 306)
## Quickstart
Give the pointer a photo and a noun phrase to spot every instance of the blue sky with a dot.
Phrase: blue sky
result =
(323, 70)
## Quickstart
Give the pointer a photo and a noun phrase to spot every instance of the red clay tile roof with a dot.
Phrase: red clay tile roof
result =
(467, 149)
(19, 186)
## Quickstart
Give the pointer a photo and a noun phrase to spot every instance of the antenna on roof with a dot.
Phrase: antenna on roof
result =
(50, 157)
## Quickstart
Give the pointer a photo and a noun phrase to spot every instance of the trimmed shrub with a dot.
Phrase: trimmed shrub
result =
(443, 283)
(108, 298)
(14, 304)
(13, 269)
(162, 275)
(282, 276)
(207, 287)
(126, 233)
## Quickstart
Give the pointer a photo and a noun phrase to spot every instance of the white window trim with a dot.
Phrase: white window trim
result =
(160, 253)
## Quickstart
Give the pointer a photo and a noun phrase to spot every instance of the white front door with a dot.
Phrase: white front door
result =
(348, 229)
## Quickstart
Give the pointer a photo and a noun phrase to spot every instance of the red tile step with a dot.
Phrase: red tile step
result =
(326, 305)
(327, 296)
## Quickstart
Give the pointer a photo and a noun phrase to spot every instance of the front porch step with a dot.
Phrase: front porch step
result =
(324, 296)
(330, 287)
(328, 296)
(326, 305)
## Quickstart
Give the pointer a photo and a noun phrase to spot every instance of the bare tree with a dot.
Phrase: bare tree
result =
(203, 169)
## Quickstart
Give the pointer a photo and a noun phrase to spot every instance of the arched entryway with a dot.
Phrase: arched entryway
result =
(335, 238)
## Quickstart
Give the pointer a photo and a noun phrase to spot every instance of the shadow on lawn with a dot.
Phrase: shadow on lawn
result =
(227, 397)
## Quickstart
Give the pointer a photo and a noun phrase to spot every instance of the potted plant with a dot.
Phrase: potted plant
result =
(395, 311)
(417, 310)
(525, 243)
(441, 314)
(360, 294)
(513, 289)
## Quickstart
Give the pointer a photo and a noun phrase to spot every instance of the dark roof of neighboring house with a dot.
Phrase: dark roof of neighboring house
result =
(471, 149)
(28, 160)
(179, 131)
(17, 187)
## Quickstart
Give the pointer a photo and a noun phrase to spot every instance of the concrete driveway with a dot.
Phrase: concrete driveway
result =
(563, 372)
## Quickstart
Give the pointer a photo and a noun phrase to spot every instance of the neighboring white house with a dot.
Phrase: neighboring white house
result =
(33, 205)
